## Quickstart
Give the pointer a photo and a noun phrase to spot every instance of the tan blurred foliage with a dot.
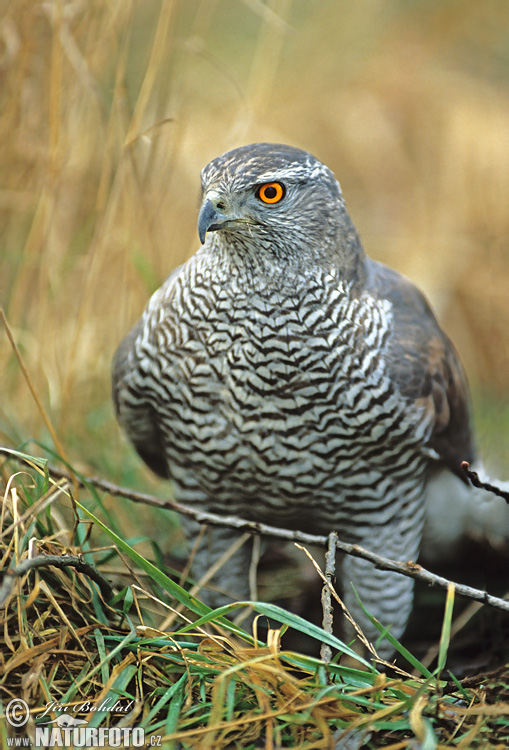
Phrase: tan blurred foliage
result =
(108, 111)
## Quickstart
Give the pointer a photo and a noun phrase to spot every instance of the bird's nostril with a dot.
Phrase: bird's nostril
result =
(220, 205)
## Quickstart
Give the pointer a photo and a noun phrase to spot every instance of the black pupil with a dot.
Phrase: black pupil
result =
(270, 192)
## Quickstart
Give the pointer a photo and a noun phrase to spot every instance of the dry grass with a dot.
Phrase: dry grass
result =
(205, 683)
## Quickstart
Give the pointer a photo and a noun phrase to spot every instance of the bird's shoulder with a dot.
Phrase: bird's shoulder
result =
(424, 364)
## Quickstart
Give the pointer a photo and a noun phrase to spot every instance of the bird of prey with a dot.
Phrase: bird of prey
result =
(283, 376)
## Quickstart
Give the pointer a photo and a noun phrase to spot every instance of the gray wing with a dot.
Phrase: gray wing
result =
(425, 365)
(134, 412)
(133, 407)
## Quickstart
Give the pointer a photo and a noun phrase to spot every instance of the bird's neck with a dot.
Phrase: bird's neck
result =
(272, 265)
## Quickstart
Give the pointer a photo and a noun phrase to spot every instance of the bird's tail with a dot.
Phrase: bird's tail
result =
(457, 511)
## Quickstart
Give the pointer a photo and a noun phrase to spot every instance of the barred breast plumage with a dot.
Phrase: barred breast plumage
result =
(283, 376)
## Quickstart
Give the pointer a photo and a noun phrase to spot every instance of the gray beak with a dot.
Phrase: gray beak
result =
(209, 220)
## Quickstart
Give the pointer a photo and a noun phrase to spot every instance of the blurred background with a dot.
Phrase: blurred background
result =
(109, 110)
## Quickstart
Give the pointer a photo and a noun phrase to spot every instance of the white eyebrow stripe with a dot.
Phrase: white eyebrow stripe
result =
(284, 174)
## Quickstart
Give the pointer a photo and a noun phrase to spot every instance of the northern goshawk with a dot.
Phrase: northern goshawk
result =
(283, 376)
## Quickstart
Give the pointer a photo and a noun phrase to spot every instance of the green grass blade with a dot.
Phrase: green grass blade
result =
(416, 664)
(166, 583)
(445, 637)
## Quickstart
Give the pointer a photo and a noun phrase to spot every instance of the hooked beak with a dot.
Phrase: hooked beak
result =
(209, 219)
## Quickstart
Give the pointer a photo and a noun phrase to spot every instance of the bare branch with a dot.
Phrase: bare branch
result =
(330, 570)
(473, 476)
(410, 569)
(370, 649)
(58, 561)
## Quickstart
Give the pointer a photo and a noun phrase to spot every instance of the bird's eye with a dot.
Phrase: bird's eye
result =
(271, 192)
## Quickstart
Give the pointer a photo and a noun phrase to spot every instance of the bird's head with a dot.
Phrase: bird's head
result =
(277, 201)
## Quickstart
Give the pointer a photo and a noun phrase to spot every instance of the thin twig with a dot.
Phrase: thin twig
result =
(327, 618)
(473, 476)
(410, 569)
(57, 561)
(328, 583)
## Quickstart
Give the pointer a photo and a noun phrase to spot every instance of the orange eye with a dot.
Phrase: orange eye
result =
(271, 192)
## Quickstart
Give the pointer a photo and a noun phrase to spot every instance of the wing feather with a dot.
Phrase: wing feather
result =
(134, 412)
(425, 366)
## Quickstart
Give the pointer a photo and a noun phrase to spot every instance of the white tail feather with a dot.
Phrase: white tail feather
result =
(457, 511)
